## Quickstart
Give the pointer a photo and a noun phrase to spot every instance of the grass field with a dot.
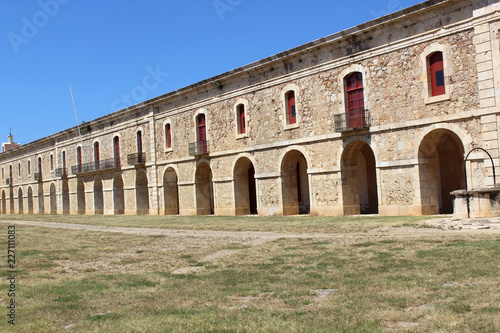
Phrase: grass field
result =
(371, 274)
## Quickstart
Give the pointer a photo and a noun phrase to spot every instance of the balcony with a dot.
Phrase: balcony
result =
(352, 120)
(198, 148)
(61, 172)
(102, 165)
(8, 181)
(136, 159)
(37, 176)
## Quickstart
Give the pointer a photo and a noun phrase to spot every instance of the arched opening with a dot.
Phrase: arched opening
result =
(245, 193)
(98, 197)
(171, 192)
(4, 203)
(65, 196)
(41, 200)
(359, 179)
(142, 193)
(20, 204)
(80, 196)
(11, 200)
(204, 190)
(53, 199)
(295, 184)
(118, 195)
(441, 170)
(30, 200)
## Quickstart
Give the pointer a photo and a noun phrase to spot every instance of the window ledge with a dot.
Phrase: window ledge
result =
(168, 150)
(291, 126)
(436, 99)
(241, 136)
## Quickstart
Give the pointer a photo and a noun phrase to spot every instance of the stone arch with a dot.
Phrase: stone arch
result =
(53, 199)
(204, 190)
(118, 195)
(245, 189)
(11, 200)
(20, 206)
(41, 199)
(142, 192)
(65, 196)
(4, 203)
(441, 170)
(295, 183)
(98, 196)
(359, 179)
(30, 200)
(171, 191)
(80, 196)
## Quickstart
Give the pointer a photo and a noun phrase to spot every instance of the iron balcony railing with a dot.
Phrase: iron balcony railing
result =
(198, 148)
(8, 181)
(136, 159)
(110, 163)
(352, 120)
(61, 172)
(37, 176)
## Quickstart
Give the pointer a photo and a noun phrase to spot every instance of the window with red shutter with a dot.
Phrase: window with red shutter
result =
(437, 74)
(292, 112)
(168, 136)
(355, 100)
(241, 119)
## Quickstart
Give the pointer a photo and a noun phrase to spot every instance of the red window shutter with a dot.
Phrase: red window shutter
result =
(139, 143)
(202, 134)
(116, 146)
(292, 112)
(241, 119)
(437, 74)
(168, 136)
(355, 100)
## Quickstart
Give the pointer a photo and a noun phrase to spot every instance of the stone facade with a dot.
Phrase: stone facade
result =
(289, 134)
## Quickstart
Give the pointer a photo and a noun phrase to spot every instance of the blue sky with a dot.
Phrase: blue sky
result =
(116, 53)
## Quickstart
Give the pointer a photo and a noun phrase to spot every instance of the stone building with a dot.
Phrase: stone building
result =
(374, 119)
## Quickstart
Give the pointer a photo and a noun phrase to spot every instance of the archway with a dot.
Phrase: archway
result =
(204, 190)
(295, 184)
(4, 204)
(118, 195)
(11, 200)
(441, 170)
(98, 197)
(359, 179)
(65, 196)
(30, 200)
(53, 199)
(245, 193)
(171, 192)
(41, 200)
(142, 193)
(80, 196)
(20, 205)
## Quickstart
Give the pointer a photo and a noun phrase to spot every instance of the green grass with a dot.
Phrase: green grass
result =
(81, 281)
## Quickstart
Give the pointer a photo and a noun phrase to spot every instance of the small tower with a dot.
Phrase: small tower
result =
(6, 146)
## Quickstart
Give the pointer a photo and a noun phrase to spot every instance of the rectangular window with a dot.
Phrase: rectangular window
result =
(29, 167)
(51, 162)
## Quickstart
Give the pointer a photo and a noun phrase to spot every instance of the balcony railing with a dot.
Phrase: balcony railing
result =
(110, 163)
(8, 181)
(198, 148)
(352, 120)
(37, 176)
(61, 172)
(136, 159)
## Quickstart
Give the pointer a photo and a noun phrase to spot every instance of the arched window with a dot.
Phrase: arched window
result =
(29, 167)
(140, 158)
(79, 158)
(436, 72)
(168, 136)
(355, 100)
(97, 156)
(51, 162)
(202, 134)
(116, 150)
(291, 108)
(240, 111)
(19, 169)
